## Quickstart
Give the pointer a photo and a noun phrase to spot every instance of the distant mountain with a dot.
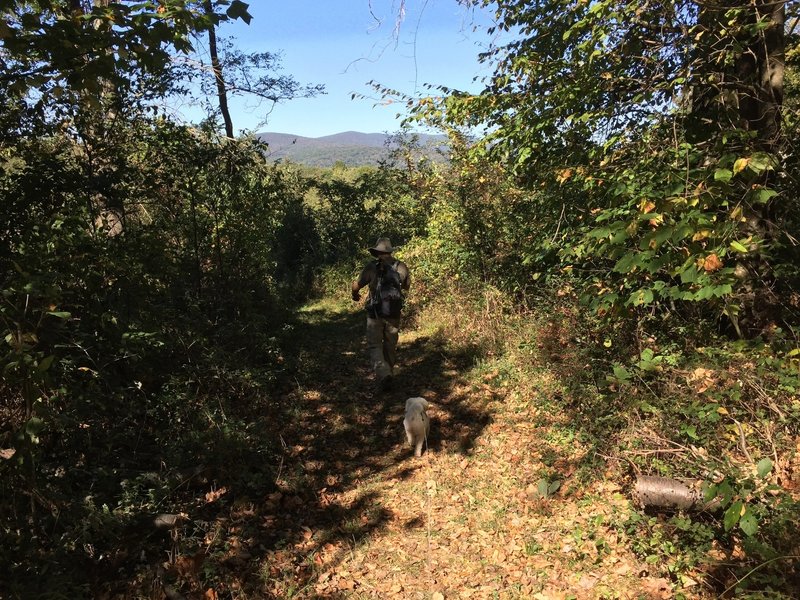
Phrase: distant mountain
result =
(351, 148)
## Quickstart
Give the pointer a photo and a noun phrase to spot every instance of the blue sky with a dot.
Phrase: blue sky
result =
(338, 43)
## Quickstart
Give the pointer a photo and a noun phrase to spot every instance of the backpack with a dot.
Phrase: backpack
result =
(387, 300)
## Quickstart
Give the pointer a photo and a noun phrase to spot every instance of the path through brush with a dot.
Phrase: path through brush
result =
(500, 505)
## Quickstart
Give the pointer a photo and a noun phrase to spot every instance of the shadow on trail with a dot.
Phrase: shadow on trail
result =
(270, 484)
(341, 441)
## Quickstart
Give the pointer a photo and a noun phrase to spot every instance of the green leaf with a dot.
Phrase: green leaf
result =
(732, 515)
(689, 274)
(541, 488)
(726, 491)
(641, 297)
(760, 162)
(709, 491)
(238, 10)
(60, 314)
(739, 247)
(748, 522)
(621, 373)
(762, 196)
(32, 429)
(45, 363)
(763, 467)
(723, 175)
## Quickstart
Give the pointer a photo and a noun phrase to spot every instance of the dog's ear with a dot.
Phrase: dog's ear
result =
(425, 403)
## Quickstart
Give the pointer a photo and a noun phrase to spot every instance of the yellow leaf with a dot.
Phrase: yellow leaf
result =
(740, 165)
(701, 235)
(722, 410)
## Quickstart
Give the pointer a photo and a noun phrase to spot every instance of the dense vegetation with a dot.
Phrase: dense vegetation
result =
(632, 208)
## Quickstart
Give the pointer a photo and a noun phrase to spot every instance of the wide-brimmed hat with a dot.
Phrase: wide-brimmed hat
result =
(382, 246)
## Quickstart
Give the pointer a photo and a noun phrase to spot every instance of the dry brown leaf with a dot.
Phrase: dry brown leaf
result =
(189, 566)
(701, 379)
(215, 495)
(657, 588)
(648, 206)
(712, 263)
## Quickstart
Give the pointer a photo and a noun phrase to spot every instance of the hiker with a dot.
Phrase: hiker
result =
(387, 278)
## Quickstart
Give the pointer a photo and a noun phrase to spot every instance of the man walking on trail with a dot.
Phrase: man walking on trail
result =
(387, 278)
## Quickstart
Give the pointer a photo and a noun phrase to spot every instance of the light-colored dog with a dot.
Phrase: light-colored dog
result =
(416, 423)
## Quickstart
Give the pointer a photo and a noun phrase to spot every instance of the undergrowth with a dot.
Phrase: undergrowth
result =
(651, 399)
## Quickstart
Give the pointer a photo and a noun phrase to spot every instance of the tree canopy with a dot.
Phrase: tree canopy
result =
(605, 275)
(659, 131)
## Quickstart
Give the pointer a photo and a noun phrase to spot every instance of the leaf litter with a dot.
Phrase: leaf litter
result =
(355, 515)
(463, 521)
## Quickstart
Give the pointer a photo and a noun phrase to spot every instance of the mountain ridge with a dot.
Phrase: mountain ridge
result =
(352, 148)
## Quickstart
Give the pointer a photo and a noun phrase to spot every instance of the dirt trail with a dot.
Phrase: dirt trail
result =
(359, 517)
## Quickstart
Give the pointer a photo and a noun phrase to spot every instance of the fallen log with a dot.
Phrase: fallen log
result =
(662, 492)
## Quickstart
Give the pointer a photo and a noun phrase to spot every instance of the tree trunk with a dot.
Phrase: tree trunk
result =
(98, 111)
(222, 92)
(760, 70)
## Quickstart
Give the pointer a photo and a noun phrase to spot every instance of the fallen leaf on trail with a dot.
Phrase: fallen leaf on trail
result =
(189, 566)
(622, 569)
(437, 596)
(688, 581)
(701, 379)
(657, 588)
(210, 594)
(215, 495)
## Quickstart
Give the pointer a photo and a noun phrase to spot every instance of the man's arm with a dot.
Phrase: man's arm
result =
(359, 283)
